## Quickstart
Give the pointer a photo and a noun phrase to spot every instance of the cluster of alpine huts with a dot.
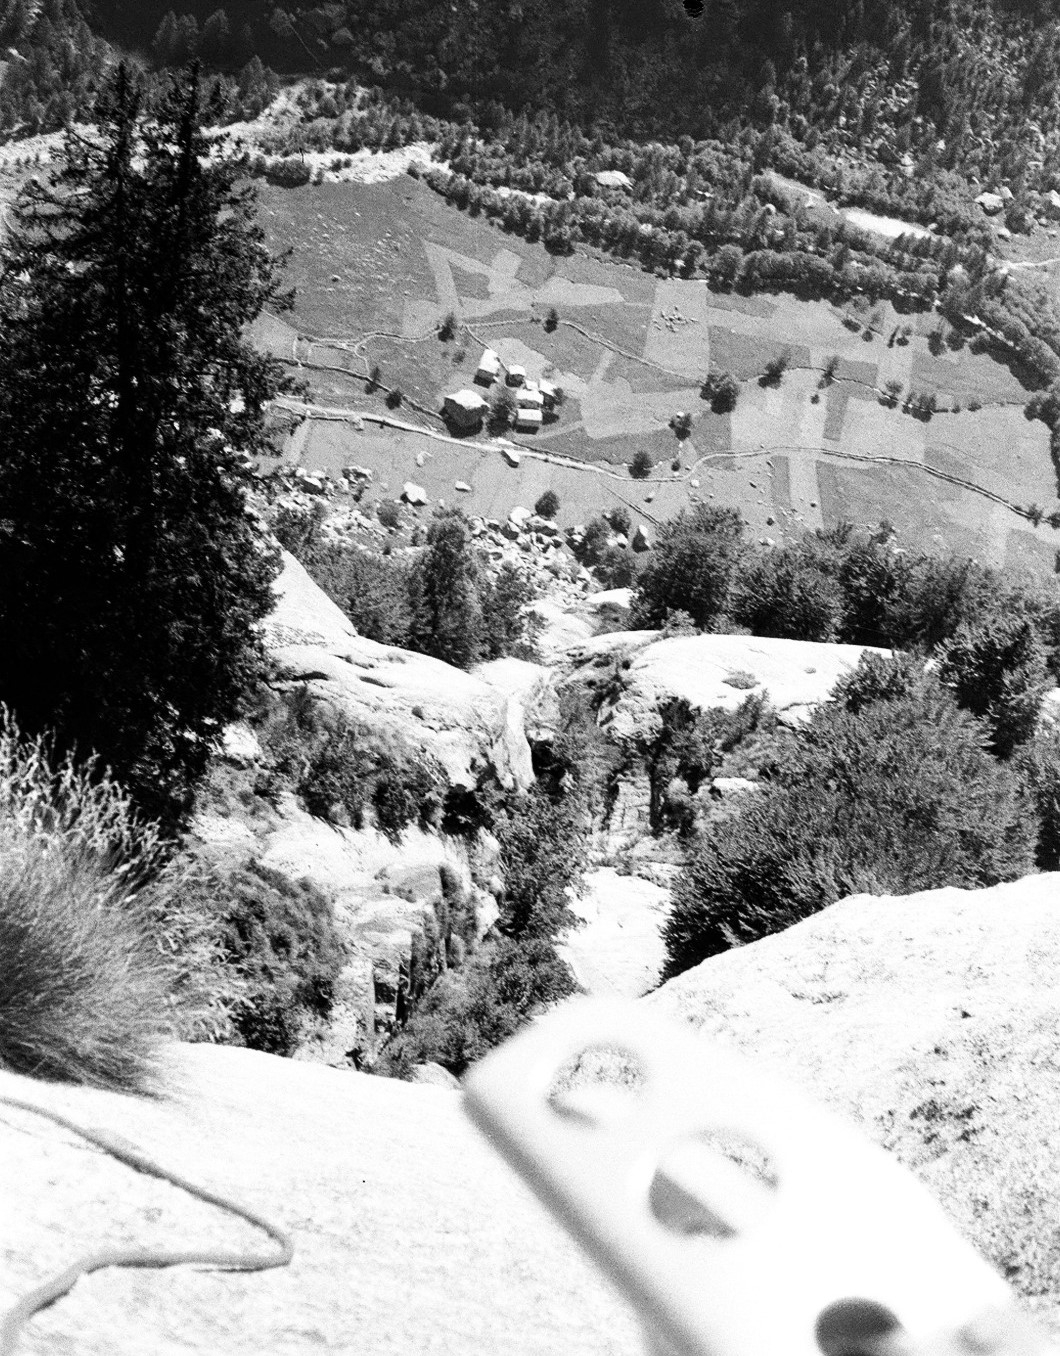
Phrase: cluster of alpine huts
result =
(466, 409)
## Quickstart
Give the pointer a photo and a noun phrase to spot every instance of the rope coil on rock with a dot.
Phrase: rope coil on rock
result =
(55, 1287)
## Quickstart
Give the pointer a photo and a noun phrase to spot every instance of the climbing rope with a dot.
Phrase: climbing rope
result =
(56, 1286)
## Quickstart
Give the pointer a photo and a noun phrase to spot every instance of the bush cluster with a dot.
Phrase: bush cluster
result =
(281, 938)
(888, 790)
(346, 770)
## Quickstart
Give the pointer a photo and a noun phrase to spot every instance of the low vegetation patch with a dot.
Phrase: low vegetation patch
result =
(347, 771)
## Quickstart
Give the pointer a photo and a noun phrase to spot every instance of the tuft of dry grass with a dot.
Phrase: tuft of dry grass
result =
(101, 958)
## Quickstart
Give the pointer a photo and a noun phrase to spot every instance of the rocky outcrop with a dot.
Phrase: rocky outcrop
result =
(930, 1020)
(460, 721)
(409, 1233)
(711, 672)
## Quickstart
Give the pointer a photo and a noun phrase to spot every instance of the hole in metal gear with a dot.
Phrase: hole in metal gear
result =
(598, 1086)
(717, 1183)
(856, 1327)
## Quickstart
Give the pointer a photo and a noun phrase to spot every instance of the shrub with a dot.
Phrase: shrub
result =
(722, 390)
(290, 172)
(447, 329)
(471, 1010)
(394, 397)
(774, 371)
(503, 407)
(691, 568)
(543, 851)
(593, 541)
(103, 951)
(551, 320)
(616, 567)
(620, 520)
(787, 593)
(282, 938)
(547, 505)
(1037, 762)
(898, 796)
(297, 528)
(997, 670)
(641, 465)
(388, 511)
(681, 424)
(507, 627)
(685, 749)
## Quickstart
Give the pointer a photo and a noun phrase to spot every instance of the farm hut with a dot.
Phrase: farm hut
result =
(528, 397)
(489, 366)
(516, 375)
(548, 392)
(464, 409)
(528, 419)
(613, 179)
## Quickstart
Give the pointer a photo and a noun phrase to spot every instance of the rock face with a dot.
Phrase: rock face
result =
(409, 1233)
(711, 672)
(462, 722)
(931, 1020)
(618, 951)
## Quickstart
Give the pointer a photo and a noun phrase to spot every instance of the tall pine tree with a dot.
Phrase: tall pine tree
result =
(131, 574)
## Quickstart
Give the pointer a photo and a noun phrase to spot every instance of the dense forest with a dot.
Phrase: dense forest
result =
(887, 75)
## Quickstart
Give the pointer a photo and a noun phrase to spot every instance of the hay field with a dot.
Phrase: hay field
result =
(377, 266)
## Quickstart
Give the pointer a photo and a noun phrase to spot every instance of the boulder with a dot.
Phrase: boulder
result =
(641, 539)
(310, 483)
(991, 203)
(724, 788)
(434, 1076)
(519, 517)
(560, 630)
(413, 493)
(461, 722)
(608, 610)
(1049, 710)
(510, 454)
(462, 486)
(240, 746)
(545, 527)
(409, 1232)
(931, 1021)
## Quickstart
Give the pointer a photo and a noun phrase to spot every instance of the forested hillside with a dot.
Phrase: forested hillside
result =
(899, 74)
